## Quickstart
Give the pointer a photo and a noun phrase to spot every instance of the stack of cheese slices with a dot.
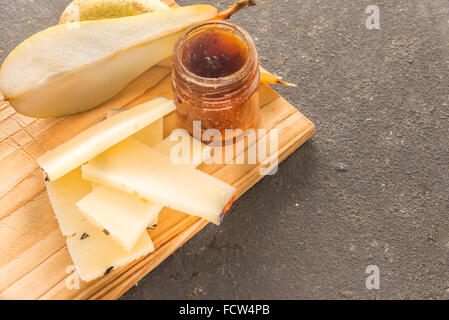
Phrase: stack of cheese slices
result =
(108, 184)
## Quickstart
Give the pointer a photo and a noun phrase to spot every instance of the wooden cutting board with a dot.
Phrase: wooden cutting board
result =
(34, 261)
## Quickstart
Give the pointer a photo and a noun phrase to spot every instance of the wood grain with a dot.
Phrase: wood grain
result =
(33, 254)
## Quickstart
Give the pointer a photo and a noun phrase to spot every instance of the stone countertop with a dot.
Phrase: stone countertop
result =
(370, 187)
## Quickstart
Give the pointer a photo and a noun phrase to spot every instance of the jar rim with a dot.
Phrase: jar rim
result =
(220, 81)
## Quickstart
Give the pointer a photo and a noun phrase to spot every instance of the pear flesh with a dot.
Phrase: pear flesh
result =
(71, 68)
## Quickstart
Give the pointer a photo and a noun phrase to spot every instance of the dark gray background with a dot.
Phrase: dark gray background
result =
(369, 188)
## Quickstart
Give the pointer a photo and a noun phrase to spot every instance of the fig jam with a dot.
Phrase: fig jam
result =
(214, 53)
(215, 78)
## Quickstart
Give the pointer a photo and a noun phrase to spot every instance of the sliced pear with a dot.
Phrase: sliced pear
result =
(70, 68)
(83, 10)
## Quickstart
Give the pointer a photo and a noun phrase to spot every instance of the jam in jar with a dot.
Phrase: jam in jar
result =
(215, 78)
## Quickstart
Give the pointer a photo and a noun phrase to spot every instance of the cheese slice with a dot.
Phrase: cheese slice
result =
(94, 256)
(136, 168)
(150, 135)
(189, 150)
(94, 253)
(151, 225)
(64, 193)
(183, 149)
(123, 215)
(101, 137)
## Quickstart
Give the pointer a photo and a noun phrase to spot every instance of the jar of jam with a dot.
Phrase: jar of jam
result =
(215, 78)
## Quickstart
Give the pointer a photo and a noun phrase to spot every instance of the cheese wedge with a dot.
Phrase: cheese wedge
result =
(95, 253)
(137, 169)
(64, 193)
(101, 137)
(183, 149)
(150, 135)
(123, 215)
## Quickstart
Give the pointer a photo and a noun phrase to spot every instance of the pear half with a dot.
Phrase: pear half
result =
(82, 10)
(70, 68)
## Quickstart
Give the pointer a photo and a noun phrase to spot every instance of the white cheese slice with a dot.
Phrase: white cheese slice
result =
(64, 193)
(136, 168)
(95, 253)
(150, 135)
(101, 137)
(123, 215)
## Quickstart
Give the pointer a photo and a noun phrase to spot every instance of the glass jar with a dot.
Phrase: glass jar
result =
(215, 78)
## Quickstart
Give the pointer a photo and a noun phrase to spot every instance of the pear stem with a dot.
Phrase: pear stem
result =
(236, 7)
(266, 77)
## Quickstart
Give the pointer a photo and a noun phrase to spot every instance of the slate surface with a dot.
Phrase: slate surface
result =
(370, 188)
